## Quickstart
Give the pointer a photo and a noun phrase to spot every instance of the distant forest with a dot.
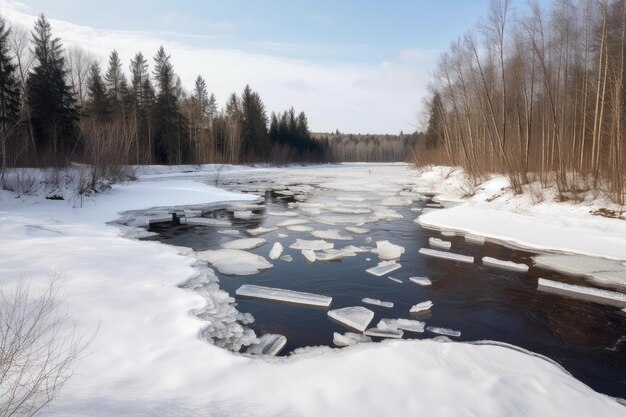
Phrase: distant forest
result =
(59, 107)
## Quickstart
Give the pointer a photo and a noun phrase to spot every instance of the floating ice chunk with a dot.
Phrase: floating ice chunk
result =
(301, 244)
(277, 250)
(354, 317)
(512, 266)
(448, 233)
(286, 193)
(368, 239)
(480, 240)
(346, 210)
(444, 331)
(353, 198)
(596, 295)
(165, 218)
(357, 230)
(244, 244)
(331, 234)
(438, 243)
(375, 302)
(604, 271)
(204, 221)
(423, 281)
(282, 236)
(383, 268)
(260, 230)
(388, 334)
(368, 259)
(387, 251)
(292, 222)
(309, 255)
(408, 325)
(332, 254)
(386, 214)
(387, 324)
(349, 339)
(441, 339)
(268, 344)
(396, 202)
(244, 214)
(311, 211)
(287, 296)
(283, 213)
(399, 281)
(299, 228)
(234, 261)
(286, 258)
(356, 249)
(232, 232)
(423, 306)
(340, 219)
(447, 255)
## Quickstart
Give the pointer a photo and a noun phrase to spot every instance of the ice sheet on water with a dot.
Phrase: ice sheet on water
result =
(282, 235)
(234, 261)
(301, 244)
(444, 331)
(388, 251)
(447, 255)
(309, 255)
(205, 221)
(347, 210)
(286, 193)
(386, 214)
(268, 344)
(423, 306)
(511, 266)
(354, 317)
(387, 334)
(341, 219)
(286, 258)
(349, 339)
(352, 198)
(244, 244)
(448, 233)
(243, 214)
(333, 254)
(596, 295)
(396, 202)
(399, 281)
(356, 249)
(288, 296)
(479, 240)
(299, 228)
(276, 251)
(605, 271)
(408, 325)
(292, 222)
(283, 213)
(438, 243)
(331, 234)
(383, 268)
(423, 281)
(260, 231)
(376, 302)
(231, 232)
(357, 230)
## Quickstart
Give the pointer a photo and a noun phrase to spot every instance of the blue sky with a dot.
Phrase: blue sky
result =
(356, 66)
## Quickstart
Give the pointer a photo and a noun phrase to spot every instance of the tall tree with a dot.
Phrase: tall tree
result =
(253, 124)
(9, 91)
(115, 82)
(434, 136)
(99, 104)
(50, 97)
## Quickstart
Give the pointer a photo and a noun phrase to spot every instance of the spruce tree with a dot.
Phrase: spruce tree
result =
(212, 108)
(9, 91)
(99, 104)
(253, 124)
(435, 123)
(50, 97)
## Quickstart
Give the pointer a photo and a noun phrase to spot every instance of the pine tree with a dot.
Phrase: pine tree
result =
(201, 97)
(253, 124)
(99, 104)
(434, 135)
(50, 97)
(9, 91)
(212, 108)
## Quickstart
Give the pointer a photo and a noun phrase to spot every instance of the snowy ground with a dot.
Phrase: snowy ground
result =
(147, 358)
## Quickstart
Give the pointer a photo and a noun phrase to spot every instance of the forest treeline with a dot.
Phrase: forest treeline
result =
(348, 147)
(537, 92)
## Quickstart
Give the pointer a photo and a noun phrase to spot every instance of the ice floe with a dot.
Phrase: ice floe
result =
(292, 222)
(387, 251)
(331, 234)
(511, 266)
(299, 228)
(276, 251)
(357, 249)
(447, 255)
(601, 270)
(444, 331)
(396, 202)
(387, 334)
(282, 235)
(408, 325)
(399, 281)
(386, 214)
(286, 258)
(234, 261)
(231, 232)
(376, 302)
(260, 230)
(346, 210)
(283, 213)
(596, 295)
(438, 243)
(309, 255)
(349, 339)
(301, 244)
(243, 214)
(423, 306)
(333, 254)
(357, 230)
(205, 221)
(479, 240)
(244, 244)
(353, 317)
(423, 281)
(268, 344)
(352, 198)
(383, 268)
(287, 296)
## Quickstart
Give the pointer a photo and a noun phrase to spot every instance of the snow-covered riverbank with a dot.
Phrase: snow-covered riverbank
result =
(147, 358)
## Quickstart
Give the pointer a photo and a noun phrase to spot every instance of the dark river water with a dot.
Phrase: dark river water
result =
(587, 339)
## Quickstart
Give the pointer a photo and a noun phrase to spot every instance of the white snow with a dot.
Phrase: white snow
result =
(438, 243)
(357, 230)
(309, 255)
(330, 234)
(388, 251)
(384, 333)
(423, 306)
(423, 281)
(596, 295)
(497, 263)
(383, 268)
(349, 339)
(353, 317)
(234, 261)
(276, 251)
(447, 255)
(302, 244)
(444, 331)
(268, 344)
(292, 222)
(244, 244)
(299, 228)
(376, 302)
(260, 230)
(287, 296)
